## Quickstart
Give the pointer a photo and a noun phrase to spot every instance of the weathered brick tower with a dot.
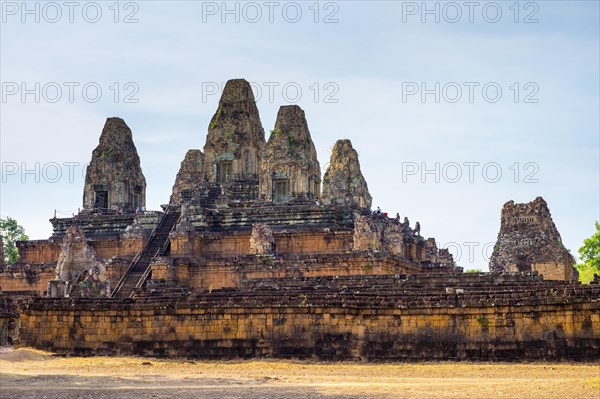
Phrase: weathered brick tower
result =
(290, 169)
(114, 178)
(235, 137)
(529, 241)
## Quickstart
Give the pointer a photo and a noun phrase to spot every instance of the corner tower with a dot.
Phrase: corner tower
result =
(529, 241)
(114, 177)
(344, 183)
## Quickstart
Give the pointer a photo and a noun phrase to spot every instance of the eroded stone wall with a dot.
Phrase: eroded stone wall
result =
(38, 251)
(32, 279)
(202, 275)
(304, 330)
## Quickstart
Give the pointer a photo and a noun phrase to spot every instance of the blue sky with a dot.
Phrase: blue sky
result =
(355, 75)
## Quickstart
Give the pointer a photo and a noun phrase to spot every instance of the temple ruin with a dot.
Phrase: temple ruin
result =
(529, 241)
(255, 254)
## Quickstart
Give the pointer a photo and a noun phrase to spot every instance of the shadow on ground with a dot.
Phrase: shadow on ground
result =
(152, 386)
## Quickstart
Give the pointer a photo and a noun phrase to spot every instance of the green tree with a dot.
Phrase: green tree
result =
(11, 232)
(589, 255)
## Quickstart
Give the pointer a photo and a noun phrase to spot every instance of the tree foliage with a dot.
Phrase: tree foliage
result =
(589, 255)
(11, 232)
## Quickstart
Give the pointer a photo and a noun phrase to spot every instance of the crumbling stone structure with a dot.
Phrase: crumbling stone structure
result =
(529, 241)
(343, 182)
(235, 137)
(114, 178)
(505, 317)
(9, 315)
(79, 271)
(261, 240)
(290, 169)
(191, 175)
(249, 258)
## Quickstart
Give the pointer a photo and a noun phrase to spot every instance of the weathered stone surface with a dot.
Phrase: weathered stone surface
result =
(529, 241)
(135, 230)
(367, 235)
(115, 171)
(2, 260)
(343, 182)
(235, 135)
(501, 317)
(190, 176)
(184, 226)
(393, 239)
(261, 240)
(376, 232)
(290, 168)
(79, 269)
(441, 256)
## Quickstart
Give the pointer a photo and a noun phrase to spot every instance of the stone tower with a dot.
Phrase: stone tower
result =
(290, 169)
(529, 241)
(114, 177)
(236, 137)
(190, 176)
(343, 182)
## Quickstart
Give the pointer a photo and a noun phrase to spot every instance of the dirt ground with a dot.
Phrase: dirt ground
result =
(27, 373)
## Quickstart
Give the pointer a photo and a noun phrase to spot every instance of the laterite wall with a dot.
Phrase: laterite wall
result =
(555, 331)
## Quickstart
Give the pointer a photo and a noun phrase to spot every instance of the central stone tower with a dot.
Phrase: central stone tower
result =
(290, 169)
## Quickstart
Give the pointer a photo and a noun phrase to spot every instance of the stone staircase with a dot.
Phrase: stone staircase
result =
(211, 199)
(139, 268)
(437, 290)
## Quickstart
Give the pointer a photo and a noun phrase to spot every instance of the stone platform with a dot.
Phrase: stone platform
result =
(508, 317)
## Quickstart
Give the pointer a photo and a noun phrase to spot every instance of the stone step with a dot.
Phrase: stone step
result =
(137, 271)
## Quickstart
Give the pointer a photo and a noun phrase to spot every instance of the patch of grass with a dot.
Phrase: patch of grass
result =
(483, 321)
(303, 299)
(215, 122)
(275, 132)
(594, 382)
(293, 145)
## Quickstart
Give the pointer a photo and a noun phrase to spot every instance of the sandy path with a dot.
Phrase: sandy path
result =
(35, 374)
